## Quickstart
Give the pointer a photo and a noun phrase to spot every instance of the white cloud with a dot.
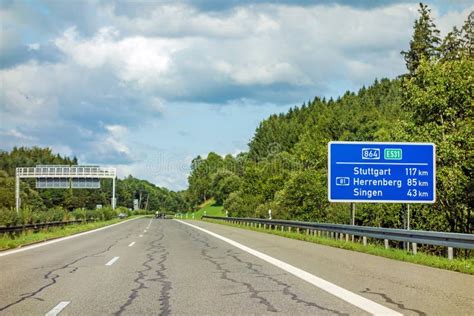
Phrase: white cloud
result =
(34, 46)
(13, 133)
(248, 74)
(117, 73)
(181, 20)
(114, 140)
(133, 59)
(446, 22)
(29, 93)
(177, 51)
(116, 130)
(63, 150)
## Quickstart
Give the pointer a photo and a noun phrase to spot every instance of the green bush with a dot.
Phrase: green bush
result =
(142, 212)
(108, 213)
(8, 217)
(123, 210)
(92, 214)
(79, 214)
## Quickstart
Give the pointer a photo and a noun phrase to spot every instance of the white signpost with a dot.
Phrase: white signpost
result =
(65, 177)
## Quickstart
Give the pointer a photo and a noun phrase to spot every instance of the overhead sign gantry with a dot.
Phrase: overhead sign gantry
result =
(65, 177)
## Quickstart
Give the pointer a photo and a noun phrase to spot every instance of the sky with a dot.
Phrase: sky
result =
(146, 86)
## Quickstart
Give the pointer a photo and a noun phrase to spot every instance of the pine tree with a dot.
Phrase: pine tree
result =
(468, 35)
(425, 41)
(452, 46)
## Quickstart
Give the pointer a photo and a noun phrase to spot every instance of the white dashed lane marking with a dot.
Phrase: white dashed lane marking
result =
(58, 308)
(112, 261)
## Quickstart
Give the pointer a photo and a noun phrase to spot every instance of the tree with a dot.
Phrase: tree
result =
(440, 98)
(41, 200)
(7, 190)
(452, 46)
(425, 41)
(468, 35)
(200, 179)
(224, 182)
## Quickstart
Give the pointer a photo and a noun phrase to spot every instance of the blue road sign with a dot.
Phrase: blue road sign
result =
(381, 172)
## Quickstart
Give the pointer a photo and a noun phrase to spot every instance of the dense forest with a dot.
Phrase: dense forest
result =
(150, 197)
(285, 169)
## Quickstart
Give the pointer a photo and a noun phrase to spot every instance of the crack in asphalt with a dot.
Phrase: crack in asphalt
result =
(391, 301)
(286, 287)
(74, 270)
(254, 294)
(164, 299)
(156, 248)
(224, 274)
(52, 276)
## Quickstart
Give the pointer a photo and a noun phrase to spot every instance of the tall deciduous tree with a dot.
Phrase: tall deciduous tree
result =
(440, 98)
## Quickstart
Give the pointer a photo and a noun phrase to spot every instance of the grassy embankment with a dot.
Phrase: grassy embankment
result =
(457, 264)
(207, 207)
(30, 237)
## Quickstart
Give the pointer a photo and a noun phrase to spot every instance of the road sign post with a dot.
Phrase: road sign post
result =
(371, 172)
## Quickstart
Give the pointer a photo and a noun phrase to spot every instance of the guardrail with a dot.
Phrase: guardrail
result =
(340, 231)
(38, 226)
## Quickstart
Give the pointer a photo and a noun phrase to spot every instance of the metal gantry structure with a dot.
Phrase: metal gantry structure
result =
(59, 176)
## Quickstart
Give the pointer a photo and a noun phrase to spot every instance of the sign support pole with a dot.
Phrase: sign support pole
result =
(17, 194)
(408, 216)
(353, 211)
(408, 224)
(113, 193)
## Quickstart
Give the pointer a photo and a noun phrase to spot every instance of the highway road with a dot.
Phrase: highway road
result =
(158, 267)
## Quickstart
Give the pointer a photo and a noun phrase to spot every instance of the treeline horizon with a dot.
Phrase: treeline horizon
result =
(285, 168)
(150, 197)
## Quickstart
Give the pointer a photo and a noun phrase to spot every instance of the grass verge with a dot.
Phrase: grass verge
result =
(30, 237)
(209, 208)
(457, 264)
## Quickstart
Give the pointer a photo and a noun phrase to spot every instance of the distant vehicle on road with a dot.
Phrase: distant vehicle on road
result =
(160, 215)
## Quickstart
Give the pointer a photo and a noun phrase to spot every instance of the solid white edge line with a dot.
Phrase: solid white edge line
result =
(131, 244)
(112, 261)
(45, 243)
(346, 295)
(58, 308)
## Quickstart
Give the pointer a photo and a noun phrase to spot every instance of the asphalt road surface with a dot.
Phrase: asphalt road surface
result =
(159, 267)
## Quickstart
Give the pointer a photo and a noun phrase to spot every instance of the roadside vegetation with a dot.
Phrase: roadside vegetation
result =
(8, 241)
(285, 169)
(149, 196)
(457, 264)
(92, 219)
(9, 217)
(209, 208)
